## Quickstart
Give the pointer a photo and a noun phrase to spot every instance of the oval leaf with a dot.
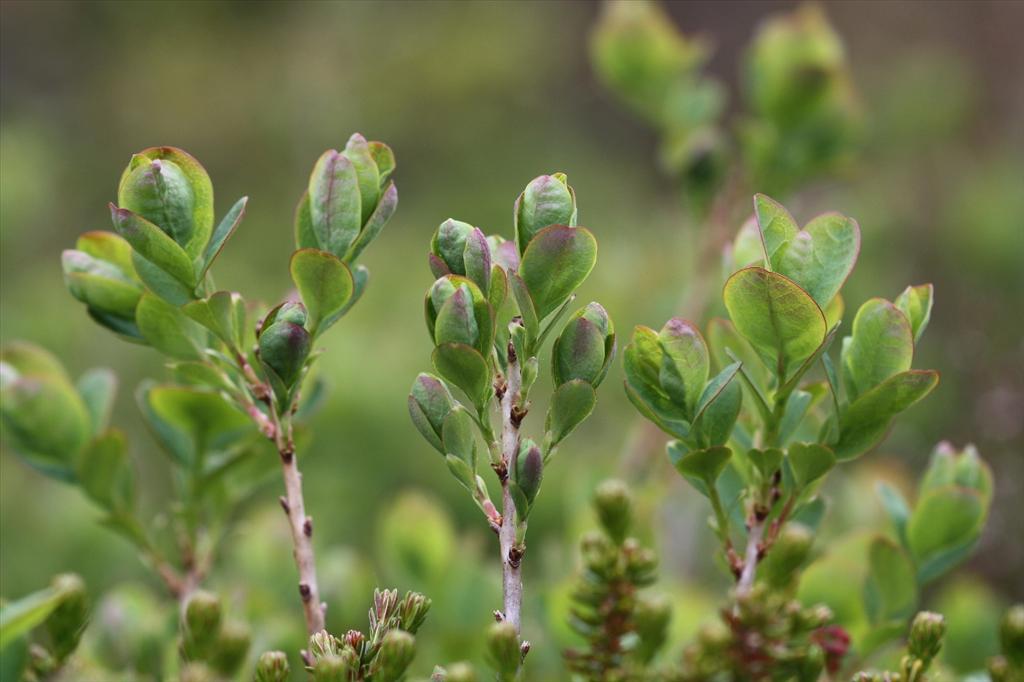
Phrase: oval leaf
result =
(556, 261)
(325, 284)
(571, 403)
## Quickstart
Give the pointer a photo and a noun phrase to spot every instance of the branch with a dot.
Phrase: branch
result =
(301, 527)
(511, 553)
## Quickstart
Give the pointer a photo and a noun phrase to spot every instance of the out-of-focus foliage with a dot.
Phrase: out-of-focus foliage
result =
(262, 88)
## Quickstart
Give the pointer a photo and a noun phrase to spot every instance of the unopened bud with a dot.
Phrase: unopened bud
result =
(583, 350)
(284, 345)
(547, 200)
(430, 401)
(926, 633)
(396, 653)
(529, 471)
(614, 507)
(413, 611)
(67, 622)
(503, 648)
(272, 667)
(788, 553)
(159, 190)
(1011, 635)
(202, 624)
(331, 668)
(232, 647)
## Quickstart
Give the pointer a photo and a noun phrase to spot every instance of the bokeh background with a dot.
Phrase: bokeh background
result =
(476, 99)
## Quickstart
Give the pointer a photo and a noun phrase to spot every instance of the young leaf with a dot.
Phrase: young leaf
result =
(457, 436)
(19, 617)
(779, 319)
(223, 313)
(386, 208)
(890, 589)
(809, 462)
(719, 406)
(335, 208)
(105, 473)
(864, 423)
(571, 403)
(945, 524)
(98, 388)
(325, 284)
(684, 364)
(821, 256)
(220, 236)
(150, 242)
(527, 311)
(776, 225)
(882, 345)
(167, 329)
(701, 468)
(556, 261)
(465, 367)
(916, 304)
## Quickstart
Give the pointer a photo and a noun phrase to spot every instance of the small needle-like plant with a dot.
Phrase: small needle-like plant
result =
(489, 312)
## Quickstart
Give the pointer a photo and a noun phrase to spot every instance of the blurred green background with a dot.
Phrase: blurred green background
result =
(476, 99)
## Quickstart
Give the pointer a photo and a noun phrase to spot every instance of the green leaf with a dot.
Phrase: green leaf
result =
(386, 208)
(160, 282)
(916, 304)
(556, 261)
(864, 423)
(150, 242)
(684, 364)
(700, 467)
(98, 388)
(527, 311)
(945, 524)
(19, 617)
(547, 200)
(783, 324)
(305, 238)
(719, 406)
(429, 404)
(223, 313)
(358, 152)
(821, 256)
(335, 207)
(642, 362)
(890, 589)
(457, 434)
(325, 284)
(896, 508)
(882, 345)
(105, 473)
(767, 461)
(465, 367)
(723, 339)
(167, 329)
(220, 236)
(204, 417)
(461, 471)
(571, 403)
(809, 462)
(776, 225)
(46, 422)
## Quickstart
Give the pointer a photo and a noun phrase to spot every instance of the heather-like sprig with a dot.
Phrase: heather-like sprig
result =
(489, 313)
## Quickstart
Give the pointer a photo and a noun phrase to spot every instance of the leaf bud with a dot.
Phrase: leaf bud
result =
(547, 200)
(584, 348)
(413, 611)
(651, 619)
(272, 667)
(529, 469)
(284, 343)
(458, 248)
(157, 188)
(459, 672)
(788, 553)
(196, 672)
(458, 312)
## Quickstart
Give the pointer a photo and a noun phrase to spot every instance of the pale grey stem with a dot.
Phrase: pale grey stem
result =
(302, 537)
(754, 538)
(511, 555)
